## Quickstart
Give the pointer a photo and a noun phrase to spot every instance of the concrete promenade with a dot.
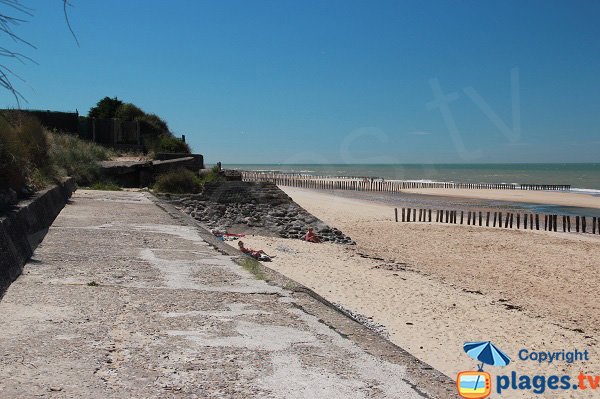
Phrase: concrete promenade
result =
(123, 299)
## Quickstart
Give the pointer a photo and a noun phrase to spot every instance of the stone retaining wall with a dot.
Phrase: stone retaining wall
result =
(19, 227)
(256, 208)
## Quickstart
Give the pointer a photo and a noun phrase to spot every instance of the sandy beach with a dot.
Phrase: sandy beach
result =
(436, 286)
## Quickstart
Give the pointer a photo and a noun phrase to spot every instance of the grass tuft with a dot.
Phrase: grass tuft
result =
(105, 186)
(252, 266)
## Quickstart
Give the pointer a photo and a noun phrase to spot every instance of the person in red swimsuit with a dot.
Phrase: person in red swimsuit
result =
(255, 254)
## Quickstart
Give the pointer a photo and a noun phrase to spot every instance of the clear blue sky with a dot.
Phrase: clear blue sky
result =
(256, 81)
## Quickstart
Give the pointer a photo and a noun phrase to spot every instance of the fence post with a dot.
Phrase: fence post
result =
(537, 221)
(555, 221)
(396, 213)
(577, 223)
(569, 223)
(518, 221)
(429, 214)
(583, 224)
(594, 225)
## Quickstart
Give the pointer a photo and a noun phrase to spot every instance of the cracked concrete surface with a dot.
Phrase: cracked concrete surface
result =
(123, 301)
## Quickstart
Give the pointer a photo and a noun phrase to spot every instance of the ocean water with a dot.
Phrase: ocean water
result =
(584, 177)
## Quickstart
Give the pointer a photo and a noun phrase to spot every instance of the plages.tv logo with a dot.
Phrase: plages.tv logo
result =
(478, 384)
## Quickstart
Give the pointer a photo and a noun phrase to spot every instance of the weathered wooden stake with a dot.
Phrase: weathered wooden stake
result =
(462, 216)
(583, 224)
(537, 221)
(487, 219)
(429, 214)
(569, 223)
(518, 220)
(577, 223)
(403, 215)
(396, 213)
(480, 218)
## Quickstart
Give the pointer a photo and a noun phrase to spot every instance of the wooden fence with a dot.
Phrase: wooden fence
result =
(506, 220)
(375, 184)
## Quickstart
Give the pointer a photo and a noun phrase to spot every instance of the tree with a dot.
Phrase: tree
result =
(106, 108)
(8, 21)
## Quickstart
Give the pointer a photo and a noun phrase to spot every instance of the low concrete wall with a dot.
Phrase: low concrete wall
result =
(143, 173)
(20, 228)
(198, 158)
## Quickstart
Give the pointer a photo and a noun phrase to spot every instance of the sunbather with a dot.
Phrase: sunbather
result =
(311, 236)
(260, 254)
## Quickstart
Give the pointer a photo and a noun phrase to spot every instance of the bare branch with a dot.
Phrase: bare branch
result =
(65, 4)
(7, 25)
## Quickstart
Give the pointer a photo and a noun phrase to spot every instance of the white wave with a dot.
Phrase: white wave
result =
(586, 191)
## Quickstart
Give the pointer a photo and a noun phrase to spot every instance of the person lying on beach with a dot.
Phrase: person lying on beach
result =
(260, 254)
(311, 236)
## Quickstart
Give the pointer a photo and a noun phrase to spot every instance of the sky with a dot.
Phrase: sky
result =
(334, 81)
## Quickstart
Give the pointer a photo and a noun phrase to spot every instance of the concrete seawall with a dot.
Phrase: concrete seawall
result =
(22, 229)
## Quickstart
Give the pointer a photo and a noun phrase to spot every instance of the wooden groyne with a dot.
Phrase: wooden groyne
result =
(381, 185)
(499, 219)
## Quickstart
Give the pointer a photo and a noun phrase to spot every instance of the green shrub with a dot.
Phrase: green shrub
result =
(213, 175)
(128, 112)
(77, 158)
(23, 152)
(180, 181)
(12, 158)
(166, 143)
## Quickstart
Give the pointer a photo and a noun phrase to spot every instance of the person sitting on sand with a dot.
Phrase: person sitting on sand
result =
(260, 254)
(311, 236)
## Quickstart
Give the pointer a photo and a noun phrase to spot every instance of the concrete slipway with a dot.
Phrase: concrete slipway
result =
(126, 298)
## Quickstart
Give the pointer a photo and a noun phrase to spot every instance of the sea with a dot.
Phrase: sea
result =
(583, 177)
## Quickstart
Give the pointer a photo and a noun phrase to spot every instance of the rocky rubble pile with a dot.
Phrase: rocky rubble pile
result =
(243, 207)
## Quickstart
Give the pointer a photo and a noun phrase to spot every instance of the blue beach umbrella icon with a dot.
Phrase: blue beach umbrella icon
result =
(486, 353)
